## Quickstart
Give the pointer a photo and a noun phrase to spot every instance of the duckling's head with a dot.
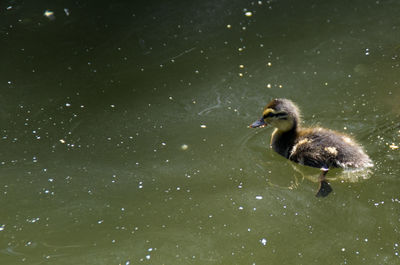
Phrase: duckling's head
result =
(281, 113)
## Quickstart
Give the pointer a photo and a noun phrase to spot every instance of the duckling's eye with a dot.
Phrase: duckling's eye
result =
(280, 115)
(268, 115)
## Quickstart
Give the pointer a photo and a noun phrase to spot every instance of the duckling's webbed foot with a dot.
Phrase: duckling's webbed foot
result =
(324, 188)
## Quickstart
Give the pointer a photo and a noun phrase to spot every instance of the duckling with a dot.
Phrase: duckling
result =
(315, 147)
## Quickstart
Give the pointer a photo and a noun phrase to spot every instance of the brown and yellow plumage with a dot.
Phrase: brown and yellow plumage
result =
(315, 147)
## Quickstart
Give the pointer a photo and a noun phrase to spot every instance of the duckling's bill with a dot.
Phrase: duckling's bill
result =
(258, 124)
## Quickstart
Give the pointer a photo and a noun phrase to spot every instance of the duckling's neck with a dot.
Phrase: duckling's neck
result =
(282, 141)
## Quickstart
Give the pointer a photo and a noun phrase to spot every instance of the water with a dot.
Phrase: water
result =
(124, 132)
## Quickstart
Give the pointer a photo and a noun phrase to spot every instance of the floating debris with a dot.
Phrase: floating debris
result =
(203, 126)
(259, 197)
(184, 147)
(66, 11)
(62, 141)
(263, 241)
(393, 146)
(248, 14)
(49, 14)
(229, 26)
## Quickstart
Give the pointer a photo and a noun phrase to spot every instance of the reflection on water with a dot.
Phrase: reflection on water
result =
(124, 133)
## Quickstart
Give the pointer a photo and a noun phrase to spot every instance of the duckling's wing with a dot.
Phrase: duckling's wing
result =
(326, 148)
(315, 149)
(308, 156)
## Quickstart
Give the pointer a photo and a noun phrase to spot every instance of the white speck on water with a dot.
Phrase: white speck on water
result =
(263, 241)
(127, 263)
(112, 106)
(366, 239)
(343, 249)
(164, 144)
(203, 126)
(100, 221)
(184, 147)
(67, 104)
(259, 197)
(49, 14)
(150, 249)
(248, 14)
(66, 11)
(240, 208)
(147, 257)
(33, 220)
(2, 227)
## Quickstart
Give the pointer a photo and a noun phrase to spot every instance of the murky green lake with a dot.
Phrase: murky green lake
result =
(124, 134)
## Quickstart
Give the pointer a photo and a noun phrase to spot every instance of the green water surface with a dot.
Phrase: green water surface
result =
(124, 134)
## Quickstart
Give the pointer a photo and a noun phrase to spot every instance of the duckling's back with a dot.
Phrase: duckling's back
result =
(318, 147)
